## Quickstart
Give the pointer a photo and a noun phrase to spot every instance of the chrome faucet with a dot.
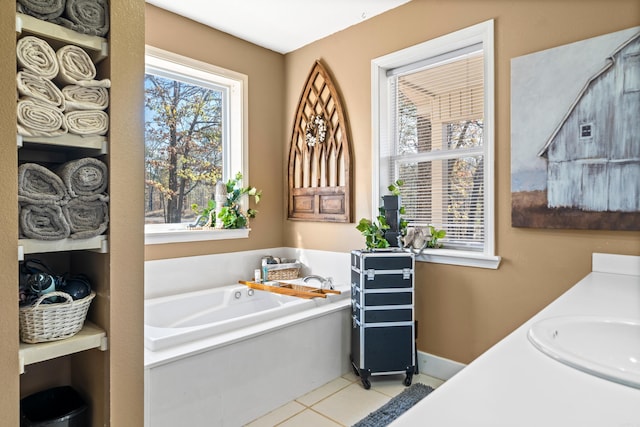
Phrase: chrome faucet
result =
(325, 282)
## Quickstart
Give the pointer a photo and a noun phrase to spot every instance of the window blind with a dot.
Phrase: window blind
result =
(436, 143)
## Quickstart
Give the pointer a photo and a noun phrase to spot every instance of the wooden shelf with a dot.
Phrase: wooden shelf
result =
(89, 337)
(60, 149)
(32, 246)
(95, 144)
(58, 36)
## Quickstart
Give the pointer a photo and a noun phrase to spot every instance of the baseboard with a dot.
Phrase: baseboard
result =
(438, 367)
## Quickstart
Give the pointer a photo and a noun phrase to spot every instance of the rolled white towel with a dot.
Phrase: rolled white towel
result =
(87, 122)
(76, 67)
(34, 86)
(85, 98)
(39, 118)
(36, 55)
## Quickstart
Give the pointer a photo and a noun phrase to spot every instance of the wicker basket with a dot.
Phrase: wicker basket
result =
(50, 322)
(283, 271)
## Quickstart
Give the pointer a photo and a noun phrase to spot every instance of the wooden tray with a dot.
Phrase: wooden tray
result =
(290, 289)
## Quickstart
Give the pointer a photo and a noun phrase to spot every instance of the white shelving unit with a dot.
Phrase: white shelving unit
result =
(88, 338)
(95, 145)
(59, 149)
(32, 246)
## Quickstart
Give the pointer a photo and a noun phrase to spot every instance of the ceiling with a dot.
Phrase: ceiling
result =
(279, 25)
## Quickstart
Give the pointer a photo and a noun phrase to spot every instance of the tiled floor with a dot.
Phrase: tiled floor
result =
(341, 402)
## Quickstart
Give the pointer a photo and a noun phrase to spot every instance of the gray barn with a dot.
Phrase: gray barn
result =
(593, 156)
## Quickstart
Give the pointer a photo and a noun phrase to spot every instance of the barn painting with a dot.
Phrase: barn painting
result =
(578, 164)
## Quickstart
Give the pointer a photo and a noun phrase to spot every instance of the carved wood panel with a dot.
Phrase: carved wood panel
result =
(320, 171)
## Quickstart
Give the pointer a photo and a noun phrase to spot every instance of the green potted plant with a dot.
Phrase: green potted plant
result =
(230, 214)
(435, 236)
(374, 232)
(385, 230)
(390, 226)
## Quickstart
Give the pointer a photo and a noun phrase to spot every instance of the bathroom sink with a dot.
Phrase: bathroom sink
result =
(605, 347)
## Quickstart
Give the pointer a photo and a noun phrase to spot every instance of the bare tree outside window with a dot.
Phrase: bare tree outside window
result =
(183, 147)
(465, 184)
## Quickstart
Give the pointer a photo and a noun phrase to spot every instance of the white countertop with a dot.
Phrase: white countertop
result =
(514, 384)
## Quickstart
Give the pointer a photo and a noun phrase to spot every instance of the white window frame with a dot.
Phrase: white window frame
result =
(235, 151)
(380, 112)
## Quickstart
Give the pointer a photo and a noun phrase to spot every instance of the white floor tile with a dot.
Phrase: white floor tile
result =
(321, 392)
(350, 376)
(350, 404)
(278, 415)
(342, 401)
(391, 385)
(308, 418)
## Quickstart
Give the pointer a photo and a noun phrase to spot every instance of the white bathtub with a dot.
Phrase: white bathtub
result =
(227, 355)
(183, 318)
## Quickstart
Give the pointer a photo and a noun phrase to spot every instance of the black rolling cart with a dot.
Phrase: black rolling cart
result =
(382, 332)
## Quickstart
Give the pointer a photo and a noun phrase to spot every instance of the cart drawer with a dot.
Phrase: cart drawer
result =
(381, 298)
(388, 298)
(383, 316)
(384, 280)
(392, 260)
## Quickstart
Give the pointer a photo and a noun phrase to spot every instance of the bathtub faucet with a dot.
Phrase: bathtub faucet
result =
(325, 282)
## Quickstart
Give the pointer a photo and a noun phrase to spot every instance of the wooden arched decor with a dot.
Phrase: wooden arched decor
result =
(320, 171)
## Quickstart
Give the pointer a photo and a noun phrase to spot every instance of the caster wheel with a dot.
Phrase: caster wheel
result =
(366, 384)
(407, 381)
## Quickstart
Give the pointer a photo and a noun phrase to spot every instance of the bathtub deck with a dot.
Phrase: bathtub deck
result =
(341, 402)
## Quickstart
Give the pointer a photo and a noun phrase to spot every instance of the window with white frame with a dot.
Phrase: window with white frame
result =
(195, 135)
(433, 129)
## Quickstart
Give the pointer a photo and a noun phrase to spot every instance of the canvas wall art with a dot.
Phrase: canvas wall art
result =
(575, 135)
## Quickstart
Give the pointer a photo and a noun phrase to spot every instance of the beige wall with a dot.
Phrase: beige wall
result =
(8, 219)
(462, 311)
(265, 69)
(126, 233)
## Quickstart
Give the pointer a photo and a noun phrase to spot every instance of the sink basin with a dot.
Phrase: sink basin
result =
(605, 347)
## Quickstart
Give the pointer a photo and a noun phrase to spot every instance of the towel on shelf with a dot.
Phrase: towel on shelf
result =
(39, 118)
(37, 185)
(35, 86)
(86, 217)
(85, 98)
(86, 16)
(43, 222)
(36, 55)
(42, 9)
(84, 177)
(87, 122)
(77, 68)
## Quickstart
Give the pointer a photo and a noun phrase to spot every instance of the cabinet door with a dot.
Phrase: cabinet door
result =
(388, 348)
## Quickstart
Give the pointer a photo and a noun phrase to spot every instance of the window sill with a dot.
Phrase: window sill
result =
(462, 258)
(160, 234)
